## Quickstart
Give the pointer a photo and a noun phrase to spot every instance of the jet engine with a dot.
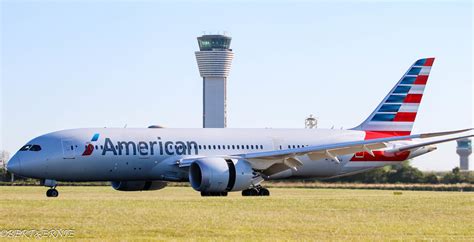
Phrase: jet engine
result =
(220, 175)
(138, 185)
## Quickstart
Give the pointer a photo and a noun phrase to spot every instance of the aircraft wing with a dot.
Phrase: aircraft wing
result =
(272, 162)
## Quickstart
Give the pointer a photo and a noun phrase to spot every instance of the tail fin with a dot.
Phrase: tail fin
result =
(395, 115)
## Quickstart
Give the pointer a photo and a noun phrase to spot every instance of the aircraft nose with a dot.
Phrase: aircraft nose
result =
(14, 165)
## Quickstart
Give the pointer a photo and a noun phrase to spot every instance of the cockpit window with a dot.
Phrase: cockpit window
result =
(35, 148)
(31, 148)
(26, 147)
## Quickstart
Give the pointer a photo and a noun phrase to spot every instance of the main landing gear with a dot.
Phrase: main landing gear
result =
(52, 192)
(256, 191)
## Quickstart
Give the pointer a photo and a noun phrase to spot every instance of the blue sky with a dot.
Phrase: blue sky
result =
(110, 64)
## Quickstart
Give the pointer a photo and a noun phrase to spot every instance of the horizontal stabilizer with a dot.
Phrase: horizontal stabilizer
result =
(411, 147)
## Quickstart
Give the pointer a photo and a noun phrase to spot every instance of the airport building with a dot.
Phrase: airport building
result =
(214, 60)
(464, 150)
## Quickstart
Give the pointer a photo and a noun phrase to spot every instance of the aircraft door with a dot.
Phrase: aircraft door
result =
(68, 149)
(277, 144)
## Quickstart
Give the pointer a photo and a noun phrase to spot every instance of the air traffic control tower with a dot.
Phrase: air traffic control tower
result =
(464, 150)
(214, 59)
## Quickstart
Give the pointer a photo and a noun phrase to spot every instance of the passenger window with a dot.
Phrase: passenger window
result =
(251, 147)
(233, 147)
(199, 147)
(214, 146)
(261, 147)
(247, 147)
(26, 147)
(35, 148)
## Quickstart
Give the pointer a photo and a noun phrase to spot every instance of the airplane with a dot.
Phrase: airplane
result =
(216, 161)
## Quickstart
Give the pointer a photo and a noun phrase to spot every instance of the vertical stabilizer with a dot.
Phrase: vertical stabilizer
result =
(395, 115)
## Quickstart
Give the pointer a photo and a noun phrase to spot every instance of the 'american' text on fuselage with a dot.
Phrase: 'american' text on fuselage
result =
(150, 148)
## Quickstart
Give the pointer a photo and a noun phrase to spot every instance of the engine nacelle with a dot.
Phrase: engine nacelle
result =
(138, 185)
(220, 175)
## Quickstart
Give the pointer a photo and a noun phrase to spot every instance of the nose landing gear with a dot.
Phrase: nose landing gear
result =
(52, 192)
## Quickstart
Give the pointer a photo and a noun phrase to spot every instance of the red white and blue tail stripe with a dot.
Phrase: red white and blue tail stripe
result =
(396, 114)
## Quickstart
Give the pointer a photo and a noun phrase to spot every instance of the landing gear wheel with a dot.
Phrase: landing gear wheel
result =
(263, 192)
(253, 192)
(250, 192)
(256, 191)
(52, 192)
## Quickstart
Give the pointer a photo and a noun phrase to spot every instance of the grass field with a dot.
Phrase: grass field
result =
(289, 214)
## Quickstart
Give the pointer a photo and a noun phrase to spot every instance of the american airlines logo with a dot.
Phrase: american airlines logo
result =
(89, 146)
(143, 148)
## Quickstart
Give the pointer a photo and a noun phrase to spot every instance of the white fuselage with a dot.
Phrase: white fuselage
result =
(153, 154)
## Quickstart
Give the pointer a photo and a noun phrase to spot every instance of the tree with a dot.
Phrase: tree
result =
(453, 177)
(431, 178)
(405, 173)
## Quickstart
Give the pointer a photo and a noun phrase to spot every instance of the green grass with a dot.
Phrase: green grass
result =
(289, 214)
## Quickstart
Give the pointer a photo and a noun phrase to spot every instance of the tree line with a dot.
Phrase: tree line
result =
(405, 173)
